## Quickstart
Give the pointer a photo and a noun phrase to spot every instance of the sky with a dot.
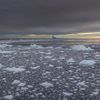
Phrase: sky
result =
(50, 16)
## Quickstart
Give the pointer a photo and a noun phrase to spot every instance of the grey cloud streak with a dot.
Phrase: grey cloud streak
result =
(61, 16)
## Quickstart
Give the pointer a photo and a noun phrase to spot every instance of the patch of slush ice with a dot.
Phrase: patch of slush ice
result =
(46, 84)
(71, 60)
(87, 63)
(81, 48)
(8, 97)
(15, 70)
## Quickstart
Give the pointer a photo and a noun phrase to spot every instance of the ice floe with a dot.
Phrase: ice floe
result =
(87, 62)
(71, 60)
(46, 84)
(15, 70)
(81, 48)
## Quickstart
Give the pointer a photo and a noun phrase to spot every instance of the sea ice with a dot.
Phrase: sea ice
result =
(71, 60)
(6, 52)
(22, 84)
(46, 84)
(81, 48)
(87, 62)
(81, 83)
(15, 70)
(35, 67)
(67, 94)
(15, 82)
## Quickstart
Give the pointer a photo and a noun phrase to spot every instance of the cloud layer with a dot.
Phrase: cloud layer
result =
(49, 16)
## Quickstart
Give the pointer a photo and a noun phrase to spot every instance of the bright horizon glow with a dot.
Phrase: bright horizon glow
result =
(73, 35)
(81, 35)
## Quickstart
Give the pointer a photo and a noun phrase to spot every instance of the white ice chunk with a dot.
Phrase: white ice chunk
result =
(22, 84)
(81, 48)
(15, 70)
(67, 94)
(71, 60)
(81, 83)
(35, 67)
(46, 84)
(15, 82)
(36, 46)
(87, 62)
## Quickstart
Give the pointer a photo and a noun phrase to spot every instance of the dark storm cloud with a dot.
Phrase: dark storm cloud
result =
(49, 15)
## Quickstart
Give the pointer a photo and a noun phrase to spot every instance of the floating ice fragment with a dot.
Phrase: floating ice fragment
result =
(36, 46)
(15, 70)
(71, 60)
(81, 83)
(22, 84)
(35, 67)
(81, 48)
(67, 94)
(46, 84)
(15, 82)
(87, 63)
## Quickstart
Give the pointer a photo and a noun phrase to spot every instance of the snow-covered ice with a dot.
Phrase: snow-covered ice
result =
(87, 62)
(71, 60)
(81, 48)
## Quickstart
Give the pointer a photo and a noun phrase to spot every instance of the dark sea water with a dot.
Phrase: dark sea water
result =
(55, 42)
